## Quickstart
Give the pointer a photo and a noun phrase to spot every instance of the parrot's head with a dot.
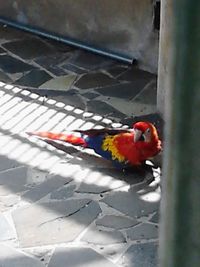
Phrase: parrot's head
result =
(145, 132)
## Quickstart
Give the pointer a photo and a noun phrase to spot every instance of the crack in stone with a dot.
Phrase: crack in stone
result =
(65, 216)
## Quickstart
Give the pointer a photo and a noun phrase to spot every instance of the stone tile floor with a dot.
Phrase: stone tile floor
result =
(63, 206)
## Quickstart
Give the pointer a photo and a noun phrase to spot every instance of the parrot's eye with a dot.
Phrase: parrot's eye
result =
(148, 130)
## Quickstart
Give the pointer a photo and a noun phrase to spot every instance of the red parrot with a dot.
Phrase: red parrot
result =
(124, 147)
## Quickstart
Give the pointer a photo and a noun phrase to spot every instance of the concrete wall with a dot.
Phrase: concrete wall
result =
(124, 27)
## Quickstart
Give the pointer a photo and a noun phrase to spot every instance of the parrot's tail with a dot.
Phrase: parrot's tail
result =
(69, 138)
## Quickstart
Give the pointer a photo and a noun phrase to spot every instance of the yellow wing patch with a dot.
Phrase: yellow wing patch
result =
(109, 145)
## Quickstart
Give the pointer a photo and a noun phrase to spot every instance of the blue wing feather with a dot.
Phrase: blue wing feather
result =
(95, 143)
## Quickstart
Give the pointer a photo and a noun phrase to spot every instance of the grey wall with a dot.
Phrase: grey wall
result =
(123, 27)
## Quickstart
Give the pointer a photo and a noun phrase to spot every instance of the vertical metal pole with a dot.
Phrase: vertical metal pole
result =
(180, 207)
(164, 64)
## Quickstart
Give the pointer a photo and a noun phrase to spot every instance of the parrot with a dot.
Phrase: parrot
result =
(124, 147)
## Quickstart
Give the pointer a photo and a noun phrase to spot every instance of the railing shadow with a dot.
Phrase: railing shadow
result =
(61, 166)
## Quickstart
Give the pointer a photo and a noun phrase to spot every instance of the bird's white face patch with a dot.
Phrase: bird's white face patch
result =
(137, 135)
(147, 135)
(142, 136)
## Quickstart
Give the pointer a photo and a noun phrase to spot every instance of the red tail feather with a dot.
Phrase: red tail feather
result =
(69, 138)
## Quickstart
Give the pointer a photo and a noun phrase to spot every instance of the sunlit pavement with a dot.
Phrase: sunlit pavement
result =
(61, 205)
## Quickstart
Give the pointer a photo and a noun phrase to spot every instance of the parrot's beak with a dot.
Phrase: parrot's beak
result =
(137, 135)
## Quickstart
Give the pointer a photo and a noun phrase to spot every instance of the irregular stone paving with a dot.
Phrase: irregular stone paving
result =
(62, 206)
